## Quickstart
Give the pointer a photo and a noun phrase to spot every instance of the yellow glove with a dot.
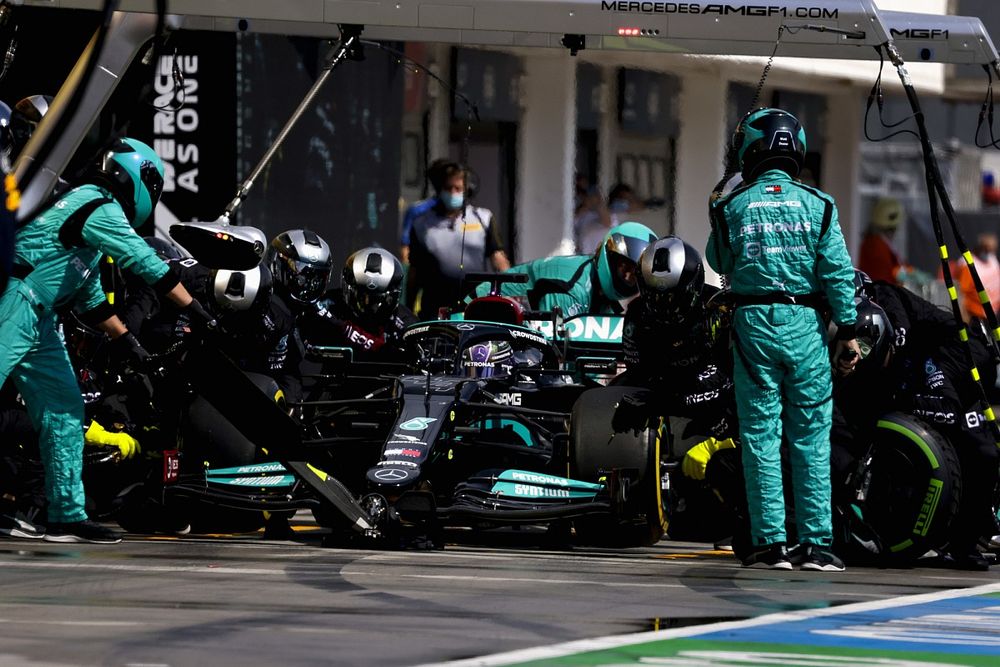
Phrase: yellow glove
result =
(97, 436)
(696, 460)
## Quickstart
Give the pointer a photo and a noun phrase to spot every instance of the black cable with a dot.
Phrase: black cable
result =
(179, 94)
(180, 97)
(470, 105)
(472, 114)
(986, 112)
(732, 162)
(936, 187)
(876, 96)
(767, 70)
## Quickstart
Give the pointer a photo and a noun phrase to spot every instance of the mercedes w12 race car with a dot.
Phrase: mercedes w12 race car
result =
(489, 422)
(493, 423)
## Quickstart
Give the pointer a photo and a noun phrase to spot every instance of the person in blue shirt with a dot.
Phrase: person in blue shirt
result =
(412, 213)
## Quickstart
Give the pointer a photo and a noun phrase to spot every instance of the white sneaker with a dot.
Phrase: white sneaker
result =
(16, 525)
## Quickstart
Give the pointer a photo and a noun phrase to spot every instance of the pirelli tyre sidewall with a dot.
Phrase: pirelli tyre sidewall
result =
(210, 437)
(595, 447)
(915, 487)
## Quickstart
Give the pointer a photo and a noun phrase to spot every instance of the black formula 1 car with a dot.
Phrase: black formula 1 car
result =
(489, 422)
(493, 423)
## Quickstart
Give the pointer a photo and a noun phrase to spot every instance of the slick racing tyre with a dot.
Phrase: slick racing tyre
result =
(914, 490)
(595, 450)
(210, 438)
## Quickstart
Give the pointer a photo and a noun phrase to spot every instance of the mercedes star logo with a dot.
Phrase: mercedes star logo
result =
(390, 474)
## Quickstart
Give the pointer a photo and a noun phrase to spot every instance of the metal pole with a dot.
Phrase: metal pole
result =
(348, 41)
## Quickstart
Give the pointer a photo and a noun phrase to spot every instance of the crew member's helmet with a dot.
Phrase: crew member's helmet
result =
(769, 139)
(133, 173)
(618, 259)
(875, 336)
(6, 143)
(671, 278)
(242, 291)
(492, 358)
(372, 282)
(864, 288)
(24, 120)
(887, 215)
(164, 249)
(300, 262)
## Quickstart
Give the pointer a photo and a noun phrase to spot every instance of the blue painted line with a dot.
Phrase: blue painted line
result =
(966, 626)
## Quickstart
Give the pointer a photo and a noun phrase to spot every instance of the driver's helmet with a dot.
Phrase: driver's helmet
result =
(769, 139)
(242, 291)
(864, 288)
(671, 278)
(875, 336)
(618, 259)
(300, 262)
(372, 282)
(529, 357)
(492, 358)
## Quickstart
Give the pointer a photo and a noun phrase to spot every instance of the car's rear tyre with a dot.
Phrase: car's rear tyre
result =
(211, 439)
(915, 489)
(595, 449)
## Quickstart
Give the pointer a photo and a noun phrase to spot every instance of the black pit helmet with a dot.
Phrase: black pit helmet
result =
(165, 249)
(372, 282)
(864, 288)
(300, 262)
(6, 144)
(875, 335)
(671, 278)
(493, 358)
(24, 119)
(769, 139)
(242, 291)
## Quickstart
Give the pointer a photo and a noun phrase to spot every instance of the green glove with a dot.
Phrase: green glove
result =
(696, 460)
(98, 436)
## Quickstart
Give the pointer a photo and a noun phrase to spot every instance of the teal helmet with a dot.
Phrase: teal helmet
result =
(769, 139)
(133, 172)
(618, 259)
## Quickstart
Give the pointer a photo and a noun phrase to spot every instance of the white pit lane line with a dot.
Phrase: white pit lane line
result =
(615, 641)
(348, 571)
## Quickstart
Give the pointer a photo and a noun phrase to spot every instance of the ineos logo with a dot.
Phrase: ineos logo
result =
(390, 475)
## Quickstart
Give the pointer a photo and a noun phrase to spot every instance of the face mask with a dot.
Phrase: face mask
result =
(452, 201)
(619, 206)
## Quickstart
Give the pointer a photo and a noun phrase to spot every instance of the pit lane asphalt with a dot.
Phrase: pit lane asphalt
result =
(242, 600)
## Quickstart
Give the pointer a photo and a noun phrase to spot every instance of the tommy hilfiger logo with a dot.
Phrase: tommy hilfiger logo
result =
(772, 189)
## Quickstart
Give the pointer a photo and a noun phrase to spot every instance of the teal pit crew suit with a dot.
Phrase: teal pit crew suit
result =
(780, 241)
(583, 284)
(56, 264)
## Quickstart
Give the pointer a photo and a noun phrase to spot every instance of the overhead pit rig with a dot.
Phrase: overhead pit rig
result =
(728, 28)
(836, 29)
(839, 29)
